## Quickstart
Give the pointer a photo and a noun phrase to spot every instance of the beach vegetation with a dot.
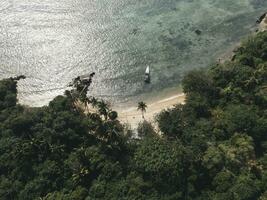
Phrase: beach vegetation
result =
(142, 107)
(212, 147)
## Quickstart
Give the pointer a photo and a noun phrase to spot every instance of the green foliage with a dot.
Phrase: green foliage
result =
(113, 115)
(55, 152)
(157, 159)
(214, 147)
(223, 122)
(146, 129)
(8, 97)
(175, 116)
(142, 107)
(199, 81)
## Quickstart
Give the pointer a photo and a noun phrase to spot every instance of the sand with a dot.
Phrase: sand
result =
(263, 24)
(132, 116)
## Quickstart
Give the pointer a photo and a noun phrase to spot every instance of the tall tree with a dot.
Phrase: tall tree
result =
(142, 107)
(93, 101)
(103, 108)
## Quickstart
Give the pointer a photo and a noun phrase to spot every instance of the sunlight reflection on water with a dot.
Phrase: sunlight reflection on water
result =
(53, 41)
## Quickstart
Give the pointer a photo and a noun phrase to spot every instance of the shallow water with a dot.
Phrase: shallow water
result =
(53, 41)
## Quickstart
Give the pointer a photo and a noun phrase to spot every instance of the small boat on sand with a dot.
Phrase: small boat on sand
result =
(147, 75)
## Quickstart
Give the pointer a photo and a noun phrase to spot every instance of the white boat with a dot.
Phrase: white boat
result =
(147, 75)
(147, 70)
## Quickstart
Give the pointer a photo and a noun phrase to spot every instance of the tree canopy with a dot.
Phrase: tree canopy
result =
(213, 147)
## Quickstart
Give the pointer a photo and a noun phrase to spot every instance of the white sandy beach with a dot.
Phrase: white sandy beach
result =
(132, 116)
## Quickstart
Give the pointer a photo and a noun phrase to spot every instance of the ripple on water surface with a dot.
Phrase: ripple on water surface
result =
(53, 41)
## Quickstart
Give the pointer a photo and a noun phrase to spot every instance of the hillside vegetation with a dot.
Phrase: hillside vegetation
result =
(214, 147)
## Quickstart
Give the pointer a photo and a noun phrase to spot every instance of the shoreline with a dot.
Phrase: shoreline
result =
(133, 117)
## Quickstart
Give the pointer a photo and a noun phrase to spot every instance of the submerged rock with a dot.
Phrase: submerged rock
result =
(198, 32)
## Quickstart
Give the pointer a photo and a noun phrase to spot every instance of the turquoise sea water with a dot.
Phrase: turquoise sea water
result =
(53, 41)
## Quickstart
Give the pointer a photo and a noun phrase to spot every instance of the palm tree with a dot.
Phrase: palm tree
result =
(72, 96)
(142, 107)
(93, 101)
(103, 108)
(80, 88)
(86, 102)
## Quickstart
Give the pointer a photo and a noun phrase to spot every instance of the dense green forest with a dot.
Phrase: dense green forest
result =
(214, 147)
